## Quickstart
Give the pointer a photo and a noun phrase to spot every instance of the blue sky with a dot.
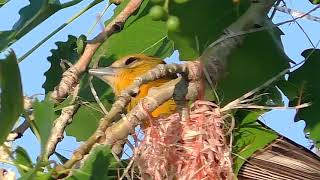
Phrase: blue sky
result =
(33, 67)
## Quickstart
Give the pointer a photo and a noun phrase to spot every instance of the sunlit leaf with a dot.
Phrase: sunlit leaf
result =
(43, 118)
(252, 64)
(36, 175)
(22, 158)
(249, 137)
(3, 2)
(85, 121)
(99, 165)
(202, 22)
(140, 35)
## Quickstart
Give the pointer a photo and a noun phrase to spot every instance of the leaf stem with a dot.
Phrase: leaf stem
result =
(32, 125)
(98, 19)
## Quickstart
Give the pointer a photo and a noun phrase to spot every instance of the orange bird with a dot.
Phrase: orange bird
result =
(121, 74)
(290, 161)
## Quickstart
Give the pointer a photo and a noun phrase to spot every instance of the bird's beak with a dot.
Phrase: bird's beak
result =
(102, 72)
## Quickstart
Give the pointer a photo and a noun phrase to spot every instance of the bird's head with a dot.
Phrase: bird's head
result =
(122, 72)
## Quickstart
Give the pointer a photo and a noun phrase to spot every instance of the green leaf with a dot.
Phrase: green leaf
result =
(103, 90)
(36, 175)
(315, 1)
(202, 22)
(307, 87)
(11, 96)
(89, 111)
(81, 43)
(99, 165)
(22, 158)
(252, 64)
(65, 51)
(249, 66)
(249, 137)
(85, 121)
(3, 2)
(6, 39)
(43, 118)
(288, 88)
(30, 17)
(67, 102)
(68, 52)
(140, 35)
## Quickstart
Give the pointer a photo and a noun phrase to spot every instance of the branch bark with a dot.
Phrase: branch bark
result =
(58, 128)
(214, 58)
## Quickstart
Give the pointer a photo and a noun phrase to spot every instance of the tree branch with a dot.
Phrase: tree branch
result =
(71, 76)
(150, 103)
(119, 131)
(58, 128)
(214, 58)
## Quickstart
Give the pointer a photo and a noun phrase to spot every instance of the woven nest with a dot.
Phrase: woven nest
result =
(195, 148)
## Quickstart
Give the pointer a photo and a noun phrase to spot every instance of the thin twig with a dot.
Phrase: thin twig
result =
(274, 10)
(71, 76)
(238, 101)
(301, 28)
(215, 56)
(295, 13)
(95, 95)
(19, 131)
(249, 106)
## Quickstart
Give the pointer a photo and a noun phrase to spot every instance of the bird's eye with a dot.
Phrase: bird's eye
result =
(130, 60)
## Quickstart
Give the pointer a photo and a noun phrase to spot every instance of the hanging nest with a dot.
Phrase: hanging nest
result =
(194, 148)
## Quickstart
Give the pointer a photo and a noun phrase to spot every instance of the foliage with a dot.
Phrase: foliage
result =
(11, 94)
(44, 116)
(31, 16)
(65, 51)
(22, 158)
(249, 137)
(303, 87)
(197, 31)
(150, 37)
(3, 2)
(80, 128)
(99, 165)
(158, 28)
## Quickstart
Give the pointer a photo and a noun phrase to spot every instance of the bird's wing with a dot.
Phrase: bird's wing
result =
(283, 159)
